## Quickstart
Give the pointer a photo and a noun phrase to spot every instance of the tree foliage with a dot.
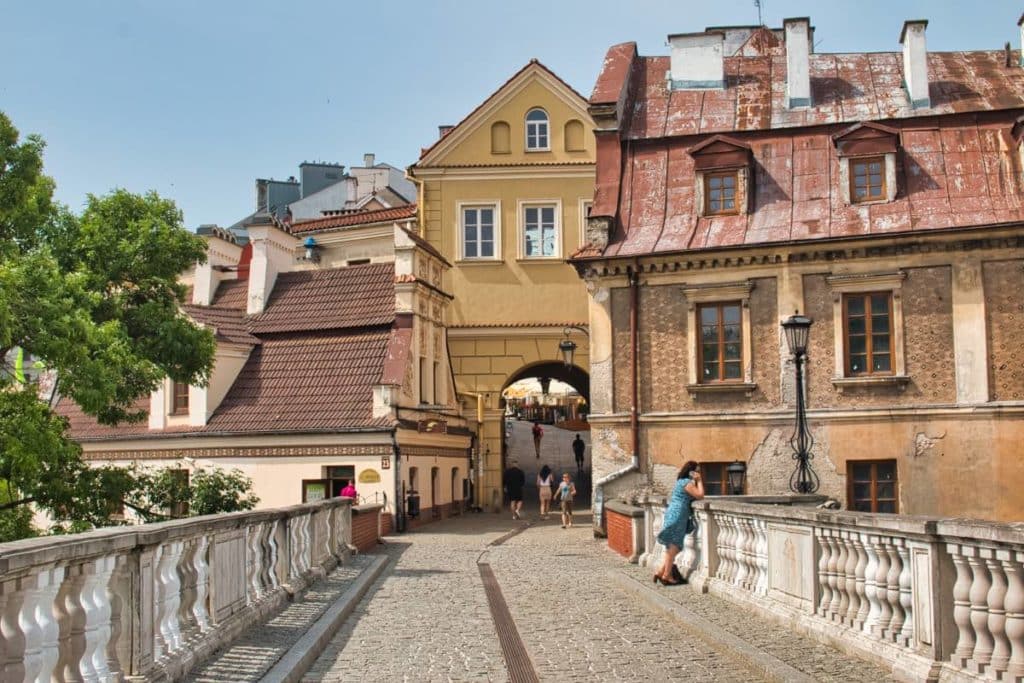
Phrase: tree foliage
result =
(95, 299)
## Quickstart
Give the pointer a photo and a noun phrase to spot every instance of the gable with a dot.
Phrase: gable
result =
(470, 142)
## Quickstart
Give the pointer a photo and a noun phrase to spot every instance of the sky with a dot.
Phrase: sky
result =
(197, 99)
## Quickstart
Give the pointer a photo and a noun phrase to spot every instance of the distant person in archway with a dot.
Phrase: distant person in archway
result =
(545, 480)
(679, 521)
(579, 448)
(538, 434)
(515, 481)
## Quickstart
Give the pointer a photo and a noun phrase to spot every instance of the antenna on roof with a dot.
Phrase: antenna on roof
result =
(760, 18)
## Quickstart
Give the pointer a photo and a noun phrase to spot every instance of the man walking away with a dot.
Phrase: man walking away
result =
(538, 434)
(515, 481)
(579, 448)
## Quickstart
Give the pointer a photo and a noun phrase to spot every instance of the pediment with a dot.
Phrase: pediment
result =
(866, 138)
(720, 151)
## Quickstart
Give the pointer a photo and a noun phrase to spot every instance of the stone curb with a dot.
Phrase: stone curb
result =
(713, 634)
(294, 664)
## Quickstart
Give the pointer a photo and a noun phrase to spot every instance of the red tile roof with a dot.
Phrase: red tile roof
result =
(228, 324)
(355, 296)
(85, 427)
(231, 294)
(348, 220)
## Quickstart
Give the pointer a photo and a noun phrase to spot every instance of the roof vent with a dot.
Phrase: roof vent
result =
(697, 61)
(368, 160)
(798, 65)
(915, 62)
(444, 130)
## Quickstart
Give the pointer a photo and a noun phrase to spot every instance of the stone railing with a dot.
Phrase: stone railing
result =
(928, 598)
(148, 602)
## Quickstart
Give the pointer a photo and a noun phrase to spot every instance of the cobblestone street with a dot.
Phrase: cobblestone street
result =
(427, 618)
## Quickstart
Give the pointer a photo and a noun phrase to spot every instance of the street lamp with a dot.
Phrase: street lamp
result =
(567, 346)
(737, 472)
(803, 480)
(545, 385)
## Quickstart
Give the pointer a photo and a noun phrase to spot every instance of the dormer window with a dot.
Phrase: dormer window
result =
(867, 162)
(179, 398)
(537, 136)
(722, 167)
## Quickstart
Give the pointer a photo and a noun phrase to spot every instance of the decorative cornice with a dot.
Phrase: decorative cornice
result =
(433, 452)
(238, 452)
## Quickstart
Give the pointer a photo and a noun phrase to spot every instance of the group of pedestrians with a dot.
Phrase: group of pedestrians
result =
(563, 493)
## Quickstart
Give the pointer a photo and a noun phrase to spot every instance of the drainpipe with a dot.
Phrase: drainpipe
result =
(419, 201)
(480, 442)
(634, 411)
(399, 502)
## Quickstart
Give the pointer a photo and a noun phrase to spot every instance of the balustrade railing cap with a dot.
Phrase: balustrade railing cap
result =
(1010, 533)
(367, 508)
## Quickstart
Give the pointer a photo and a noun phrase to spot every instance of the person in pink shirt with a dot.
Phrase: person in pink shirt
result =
(349, 491)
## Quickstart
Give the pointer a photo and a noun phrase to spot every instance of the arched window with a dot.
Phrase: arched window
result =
(574, 136)
(537, 137)
(501, 138)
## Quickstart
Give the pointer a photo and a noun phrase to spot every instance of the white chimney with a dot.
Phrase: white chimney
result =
(915, 63)
(221, 253)
(697, 61)
(273, 252)
(798, 62)
(368, 160)
(1020, 25)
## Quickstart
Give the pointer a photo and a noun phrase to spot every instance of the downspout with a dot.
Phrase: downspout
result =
(399, 502)
(634, 411)
(480, 443)
(419, 201)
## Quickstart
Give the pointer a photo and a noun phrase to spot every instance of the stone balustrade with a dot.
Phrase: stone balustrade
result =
(929, 598)
(148, 602)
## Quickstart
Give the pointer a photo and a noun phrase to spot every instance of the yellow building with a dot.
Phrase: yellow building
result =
(504, 196)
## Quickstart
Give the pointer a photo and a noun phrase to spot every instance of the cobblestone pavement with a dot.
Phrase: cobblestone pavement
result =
(259, 648)
(427, 618)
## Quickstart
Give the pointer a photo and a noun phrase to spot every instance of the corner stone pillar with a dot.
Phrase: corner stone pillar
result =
(601, 375)
(970, 342)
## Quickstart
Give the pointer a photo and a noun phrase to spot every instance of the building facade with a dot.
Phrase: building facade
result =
(745, 178)
(504, 195)
(331, 365)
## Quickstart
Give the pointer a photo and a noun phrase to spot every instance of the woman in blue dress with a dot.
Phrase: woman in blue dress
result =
(689, 487)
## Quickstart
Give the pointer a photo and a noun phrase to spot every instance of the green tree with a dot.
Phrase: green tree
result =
(165, 494)
(95, 299)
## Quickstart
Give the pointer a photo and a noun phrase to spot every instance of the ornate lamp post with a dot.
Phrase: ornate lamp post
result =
(567, 346)
(803, 480)
(737, 472)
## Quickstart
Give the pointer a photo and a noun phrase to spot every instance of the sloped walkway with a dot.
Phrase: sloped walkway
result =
(429, 617)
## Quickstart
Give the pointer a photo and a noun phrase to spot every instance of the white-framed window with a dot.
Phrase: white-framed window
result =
(540, 230)
(585, 206)
(719, 338)
(480, 231)
(538, 137)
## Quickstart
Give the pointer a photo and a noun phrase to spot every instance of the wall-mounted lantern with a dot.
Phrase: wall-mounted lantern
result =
(737, 472)
(312, 250)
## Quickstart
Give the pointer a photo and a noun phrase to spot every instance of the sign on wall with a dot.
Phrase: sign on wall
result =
(385, 463)
(432, 427)
(369, 477)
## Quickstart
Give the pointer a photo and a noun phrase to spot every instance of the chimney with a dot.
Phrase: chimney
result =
(368, 160)
(1020, 24)
(444, 130)
(697, 61)
(798, 64)
(273, 252)
(915, 63)
(222, 252)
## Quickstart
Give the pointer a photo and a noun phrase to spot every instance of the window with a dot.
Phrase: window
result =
(423, 380)
(867, 326)
(721, 342)
(437, 383)
(716, 478)
(867, 179)
(537, 130)
(179, 398)
(873, 486)
(357, 262)
(585, 206)
(720, 193)
(540, 230)
(478, 232)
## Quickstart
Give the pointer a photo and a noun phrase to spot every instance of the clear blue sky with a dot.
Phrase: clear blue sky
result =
(197, 99)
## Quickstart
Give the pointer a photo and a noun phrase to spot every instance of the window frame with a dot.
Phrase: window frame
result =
(461, 208)
(869, 344)
(873, 483)
(723, 468)
(719, 293)
(179, 391)
(736, 195)
(868, 283)
(585, 205)
(521, 207)
(883, 190)
(531, 124)
(720, 342)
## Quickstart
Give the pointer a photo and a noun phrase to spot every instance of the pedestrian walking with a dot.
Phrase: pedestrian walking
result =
(579, 448)
(679, 521)
(538, 434)
(515, 481)
(566, 492)
(545, 480)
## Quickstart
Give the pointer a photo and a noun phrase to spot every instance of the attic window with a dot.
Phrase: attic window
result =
(867, 162)
(722, 168)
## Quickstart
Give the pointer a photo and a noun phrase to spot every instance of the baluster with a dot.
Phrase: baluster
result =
(170, 597)
(961, 607)
(849, 576)
(730, 548)
(762, 557)
(871, 584)
(187, 578)
(253, 549)
(274, 554)
(293, 547)
(307, 543)
(882, 587)
(201, 568)
(837, 580)
(118, 594)
(71, 615)
(826, 552)
(892, 582)
(996, 611)
(11, 629)
(743, 565)
(723, 549)
(830, 574)
(97, 618)
(47, 631)
(978, 595)
(906, 635)
(1014, 605)
(327, 517)
(861, 570)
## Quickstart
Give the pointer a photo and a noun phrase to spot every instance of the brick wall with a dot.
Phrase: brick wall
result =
(364, 529)
(620, 533)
